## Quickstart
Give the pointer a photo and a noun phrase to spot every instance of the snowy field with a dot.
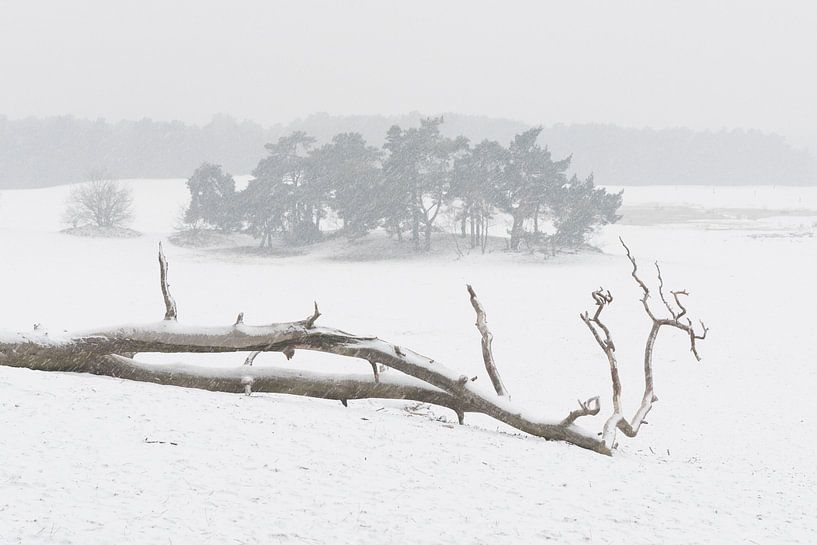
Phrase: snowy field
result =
(727, 457)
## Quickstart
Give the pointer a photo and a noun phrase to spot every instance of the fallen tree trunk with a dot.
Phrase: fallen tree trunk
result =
(259, 380)
(90, 352)
(110, 352)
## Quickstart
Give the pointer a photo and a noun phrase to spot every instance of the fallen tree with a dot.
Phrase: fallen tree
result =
(111, 352)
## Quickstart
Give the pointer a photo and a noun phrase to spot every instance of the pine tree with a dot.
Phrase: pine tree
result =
(478, 178)
(285, 194)
(579, 207)
(419, 172)
(530, 176)
(212, 198)
(349, 173)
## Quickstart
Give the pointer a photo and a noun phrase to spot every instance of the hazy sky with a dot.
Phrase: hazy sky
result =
(698, 64)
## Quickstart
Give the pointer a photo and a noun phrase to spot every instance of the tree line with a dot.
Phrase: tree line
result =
(405, 187)
(39, 152)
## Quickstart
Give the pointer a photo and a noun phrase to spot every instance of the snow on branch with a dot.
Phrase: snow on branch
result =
(108, 351)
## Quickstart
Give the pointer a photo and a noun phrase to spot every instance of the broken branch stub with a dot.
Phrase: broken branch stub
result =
(170, 303)
(487, 340)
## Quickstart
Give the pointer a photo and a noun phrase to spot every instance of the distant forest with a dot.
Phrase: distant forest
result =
(38, 152)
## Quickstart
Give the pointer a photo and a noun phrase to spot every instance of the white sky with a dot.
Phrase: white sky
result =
(698, 64)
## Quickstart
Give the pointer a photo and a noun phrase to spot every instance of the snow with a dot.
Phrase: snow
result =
(758, 197)
(727, 456)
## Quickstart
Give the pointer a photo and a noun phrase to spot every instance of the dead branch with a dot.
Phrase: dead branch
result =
(638, 281)
(108, 351)
(617, 421)
(251, 357)
(275, 381)
(375, 370)
(605, 342)
(675, 295)
(661, 292)
(90, 353)
(591, 407)
(310, 321)
(487, 340)
(170, 303)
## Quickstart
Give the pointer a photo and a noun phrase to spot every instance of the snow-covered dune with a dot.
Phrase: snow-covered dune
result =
(758, 197)
(156, 205)
(727, 456)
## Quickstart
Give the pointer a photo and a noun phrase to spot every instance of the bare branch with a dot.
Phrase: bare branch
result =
(282, 381)
(589, 322)
(617, 421)
(591, 407)
(375, 370)
(635, 267)
(705, 331)
(170, 303)
(675, 294)
(661, 292)
(310, 321)
(606, 344)
(487, 340)
(603, 299)
(460, 416)
(251, 357)
(693, 336)
(641, 284)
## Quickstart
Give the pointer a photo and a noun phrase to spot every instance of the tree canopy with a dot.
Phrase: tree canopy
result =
(417, 177)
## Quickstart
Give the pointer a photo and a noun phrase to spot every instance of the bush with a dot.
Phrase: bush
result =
(101, 203)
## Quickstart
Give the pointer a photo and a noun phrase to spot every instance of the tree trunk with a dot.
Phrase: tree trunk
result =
(473, 232)
(536, 219)
(95, 352)
(415, 217)
(516, 229)
(484, 227)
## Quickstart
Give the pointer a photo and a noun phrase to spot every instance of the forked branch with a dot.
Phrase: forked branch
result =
(617, 420)
(590, 407)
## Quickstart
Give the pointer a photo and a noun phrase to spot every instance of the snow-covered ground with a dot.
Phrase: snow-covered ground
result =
(727, 457)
